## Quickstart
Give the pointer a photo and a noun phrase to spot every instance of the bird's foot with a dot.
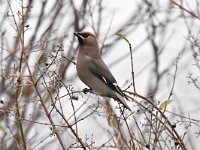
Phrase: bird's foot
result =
(86, 90)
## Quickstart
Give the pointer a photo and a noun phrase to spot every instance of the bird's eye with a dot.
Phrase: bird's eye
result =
(86, 35)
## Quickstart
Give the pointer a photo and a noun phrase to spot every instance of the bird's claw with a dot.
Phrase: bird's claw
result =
(86, 90)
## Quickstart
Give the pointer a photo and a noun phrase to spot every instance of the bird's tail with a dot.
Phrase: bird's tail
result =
(122, 101)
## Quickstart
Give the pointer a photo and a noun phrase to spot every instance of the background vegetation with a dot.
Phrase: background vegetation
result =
(155, 59)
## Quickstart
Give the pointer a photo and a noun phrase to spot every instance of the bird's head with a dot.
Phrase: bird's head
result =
(86, 38)
(88, 43)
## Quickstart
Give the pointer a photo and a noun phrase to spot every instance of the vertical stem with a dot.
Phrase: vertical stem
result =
(132, 69)
(19, 80)
(18, 96)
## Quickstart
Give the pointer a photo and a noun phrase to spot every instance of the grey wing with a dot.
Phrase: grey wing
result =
(100, 70)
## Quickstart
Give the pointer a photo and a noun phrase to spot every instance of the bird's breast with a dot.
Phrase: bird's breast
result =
(82, 67)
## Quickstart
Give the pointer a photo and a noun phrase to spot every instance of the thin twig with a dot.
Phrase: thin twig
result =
(185, 9)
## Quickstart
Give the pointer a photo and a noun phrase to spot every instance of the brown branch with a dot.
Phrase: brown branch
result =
(20, 31)
(169, 128)
(185, 9)
(35, 83)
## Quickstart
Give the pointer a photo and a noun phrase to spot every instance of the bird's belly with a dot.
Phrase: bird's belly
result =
(99, 87)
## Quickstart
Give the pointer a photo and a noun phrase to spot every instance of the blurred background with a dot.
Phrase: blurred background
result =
(42, 103)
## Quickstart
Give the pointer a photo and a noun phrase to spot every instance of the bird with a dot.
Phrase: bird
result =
(92, 70)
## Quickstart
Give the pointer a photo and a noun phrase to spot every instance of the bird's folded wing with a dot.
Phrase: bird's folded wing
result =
(100, 70)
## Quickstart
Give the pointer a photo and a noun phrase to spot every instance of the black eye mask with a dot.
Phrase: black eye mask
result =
(81, 36)
(85, 35)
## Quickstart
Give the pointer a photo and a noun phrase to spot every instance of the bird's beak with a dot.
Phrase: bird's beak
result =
(79, 36)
